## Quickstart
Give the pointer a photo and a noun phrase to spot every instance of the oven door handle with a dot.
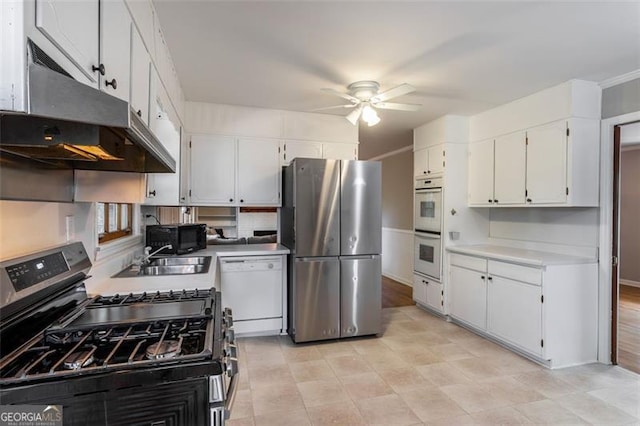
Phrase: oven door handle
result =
(428, 190)
(422, 233)
(232, 367)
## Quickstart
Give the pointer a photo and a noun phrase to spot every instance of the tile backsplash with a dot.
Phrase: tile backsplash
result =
(249, 222)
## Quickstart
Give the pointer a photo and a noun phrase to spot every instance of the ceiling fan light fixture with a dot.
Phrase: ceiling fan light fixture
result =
(354, 115)
(370, 116)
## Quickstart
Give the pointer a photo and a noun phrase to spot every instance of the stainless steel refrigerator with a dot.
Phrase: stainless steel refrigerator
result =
(331, 220)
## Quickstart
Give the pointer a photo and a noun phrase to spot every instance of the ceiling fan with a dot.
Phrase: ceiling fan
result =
(364, 97)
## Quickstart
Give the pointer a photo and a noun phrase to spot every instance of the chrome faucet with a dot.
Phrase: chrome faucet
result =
(148, 255)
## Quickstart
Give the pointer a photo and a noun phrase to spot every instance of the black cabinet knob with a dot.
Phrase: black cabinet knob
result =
(231, 200)
(491, 201)
(139, 113)
(482, 276)
(495, 201)
(152, 193)
(528, 200)
(424, 173)
(113, 83)
(490, 278)
(99, 68)
(428, 171)
(241, 200)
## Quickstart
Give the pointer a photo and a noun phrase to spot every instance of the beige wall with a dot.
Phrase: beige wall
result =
(630, 216)
(397, 191)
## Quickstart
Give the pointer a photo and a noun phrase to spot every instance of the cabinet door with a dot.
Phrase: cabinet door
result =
(163, 189)
(73, 27)
(468, 296)
(421, 162)
(547, 163)
(302, 149)
(420, 289)
(140, 68)
(436, 159)
(434, 296)
(510, 168)
(212, 170)
(515, 312)
(340, 151)
(481, 173)
(258, 172)
(115, 48)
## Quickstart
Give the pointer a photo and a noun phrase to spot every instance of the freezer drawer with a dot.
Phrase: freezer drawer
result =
(361, 282)
(360, 208)
(316, 293)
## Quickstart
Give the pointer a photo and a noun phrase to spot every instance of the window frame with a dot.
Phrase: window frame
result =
(106, 236)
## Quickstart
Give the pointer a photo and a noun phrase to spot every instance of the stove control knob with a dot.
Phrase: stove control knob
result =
(228, 312)
(231, 335)
(232, 367)
(228, 320)
(231, 351)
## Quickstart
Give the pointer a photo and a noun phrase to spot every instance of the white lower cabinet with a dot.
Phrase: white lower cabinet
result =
(514, 312)
(428, 292)
(468, 296)
(548, 312)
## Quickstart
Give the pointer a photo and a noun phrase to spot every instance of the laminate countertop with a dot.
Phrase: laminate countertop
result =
(520, 256)
(140, 284)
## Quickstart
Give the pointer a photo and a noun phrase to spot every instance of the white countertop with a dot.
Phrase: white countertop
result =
(522, 256)
(187, 282)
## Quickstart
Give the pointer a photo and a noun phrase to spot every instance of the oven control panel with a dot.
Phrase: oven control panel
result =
(26, 274)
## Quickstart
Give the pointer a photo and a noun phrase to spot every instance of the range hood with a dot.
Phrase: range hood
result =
(72, 125)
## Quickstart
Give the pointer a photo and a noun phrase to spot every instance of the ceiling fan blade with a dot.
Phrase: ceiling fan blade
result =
(396, 106)
(403, 89)
(335, 106)
(342, 95)
(354, 115)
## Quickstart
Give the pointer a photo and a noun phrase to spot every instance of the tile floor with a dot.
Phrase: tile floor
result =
(423, 370)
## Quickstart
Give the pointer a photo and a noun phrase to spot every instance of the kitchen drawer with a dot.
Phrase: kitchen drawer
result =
(516, 272)
(469, 262)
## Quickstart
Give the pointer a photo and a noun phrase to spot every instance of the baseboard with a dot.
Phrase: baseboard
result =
(398, 279)
(626, 282)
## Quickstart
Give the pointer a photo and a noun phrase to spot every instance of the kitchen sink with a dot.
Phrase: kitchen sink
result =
(168, 266)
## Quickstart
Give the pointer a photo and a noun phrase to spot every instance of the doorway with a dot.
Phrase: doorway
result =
(625, 348)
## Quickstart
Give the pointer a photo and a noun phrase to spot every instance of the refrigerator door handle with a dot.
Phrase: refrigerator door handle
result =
(309, 259)
(359, 257)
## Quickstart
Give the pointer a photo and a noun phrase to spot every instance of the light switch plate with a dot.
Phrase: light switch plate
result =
(70, 225)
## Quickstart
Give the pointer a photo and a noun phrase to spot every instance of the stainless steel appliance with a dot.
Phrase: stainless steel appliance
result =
(428, 226)
(183, 238)
(331, 221)
(148, 358)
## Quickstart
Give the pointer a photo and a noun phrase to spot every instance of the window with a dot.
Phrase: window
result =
(113, 221)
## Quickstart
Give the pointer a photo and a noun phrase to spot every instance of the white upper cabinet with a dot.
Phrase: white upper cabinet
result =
(339, 151)
(115, 48)
(303, 149)
(143, 16)
(547, 164)
(509, 169)
(481, 173)
(212, 170)
(163, 189)
(140, 68)
(258, 172)
(72, 26)
(429, 161)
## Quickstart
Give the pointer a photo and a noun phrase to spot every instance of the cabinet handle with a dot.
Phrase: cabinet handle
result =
(482, 276)
(231, 200)
(428, 171)
(99, 68)
(490, 278)
(241, 200)
(495, 201)
(491, 201)
(113, 83)
(424, 172)
(152, 193)
(528, 200)
(139, 113)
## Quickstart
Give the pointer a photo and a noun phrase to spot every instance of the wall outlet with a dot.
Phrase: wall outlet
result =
(70, 225)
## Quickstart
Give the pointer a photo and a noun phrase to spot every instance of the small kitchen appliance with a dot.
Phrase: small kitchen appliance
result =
(183, 238)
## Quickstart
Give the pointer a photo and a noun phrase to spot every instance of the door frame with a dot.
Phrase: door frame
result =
(605, 267)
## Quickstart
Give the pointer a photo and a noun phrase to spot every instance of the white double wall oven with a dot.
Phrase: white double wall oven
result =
(428, 227)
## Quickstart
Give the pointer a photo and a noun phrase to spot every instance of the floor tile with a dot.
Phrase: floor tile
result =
(548, 412)
(341, 413)
(365, 385)
(546, 383)
(431, 404)
(386, 410)
(404, 379)
(242, 405)
(510, 389)
(451, 352)
(311, 370)
(474, 397)
(246, 421)
(267, 375)
(286, 417)
(336, 349)
(350, 364)
(501, 416)
(594, 410)
(476, 368)
(597, 376)
(276, 398)
(443, 374)
(301, 353)
(626, 398)
(321, 392)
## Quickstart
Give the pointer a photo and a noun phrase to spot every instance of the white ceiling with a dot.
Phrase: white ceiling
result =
(462, 57)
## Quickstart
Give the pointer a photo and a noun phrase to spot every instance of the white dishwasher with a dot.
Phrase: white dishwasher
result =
(252, 286)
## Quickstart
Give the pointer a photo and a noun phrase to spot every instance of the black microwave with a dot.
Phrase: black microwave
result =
(184, 238)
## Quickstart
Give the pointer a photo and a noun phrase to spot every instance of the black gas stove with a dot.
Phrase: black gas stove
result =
(161, 358)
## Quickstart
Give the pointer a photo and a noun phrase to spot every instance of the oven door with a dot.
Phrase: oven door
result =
(427, 254)
(428, 210)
